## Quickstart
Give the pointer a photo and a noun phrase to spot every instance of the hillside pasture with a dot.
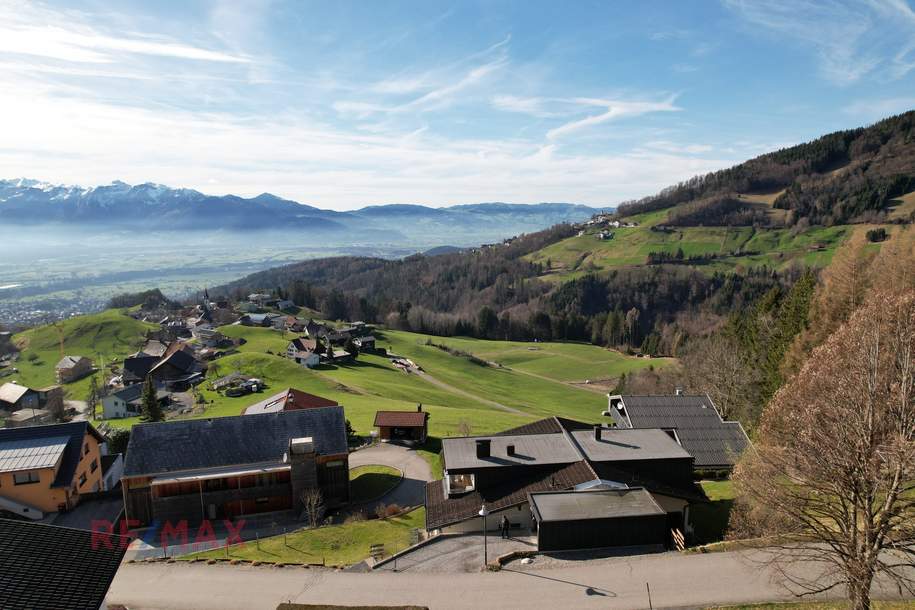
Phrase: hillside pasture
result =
(104, 337)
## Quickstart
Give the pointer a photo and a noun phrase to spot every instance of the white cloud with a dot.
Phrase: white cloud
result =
(874, 109)
(851, 40)
(615, 109)
(31, 30)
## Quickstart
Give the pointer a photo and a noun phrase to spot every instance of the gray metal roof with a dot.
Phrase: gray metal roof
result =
(75, 431)
(191, 444)
(530, 450)
(12, 392)
(713, 443)
(626, 444)
(31, 453)
(583, 505)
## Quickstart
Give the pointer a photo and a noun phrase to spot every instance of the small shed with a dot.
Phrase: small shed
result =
(409, 426)
(569, 520)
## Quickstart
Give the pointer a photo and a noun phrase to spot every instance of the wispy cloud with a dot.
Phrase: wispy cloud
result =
(873, 109)
(55, 39)
(615, 109)
(851, 39)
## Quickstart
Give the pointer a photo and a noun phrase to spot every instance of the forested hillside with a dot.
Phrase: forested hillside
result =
(842, 177)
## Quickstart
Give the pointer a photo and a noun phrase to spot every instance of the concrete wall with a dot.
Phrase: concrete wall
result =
(519, 517)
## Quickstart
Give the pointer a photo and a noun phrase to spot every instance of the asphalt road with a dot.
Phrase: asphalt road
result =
(676, 581)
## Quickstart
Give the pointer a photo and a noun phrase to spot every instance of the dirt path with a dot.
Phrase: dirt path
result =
(572, 384)
(454, 390)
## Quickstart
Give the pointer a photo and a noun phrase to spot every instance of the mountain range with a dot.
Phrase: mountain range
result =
(156, 207)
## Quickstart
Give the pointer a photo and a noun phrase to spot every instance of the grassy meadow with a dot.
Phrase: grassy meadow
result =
(630, 246)
(104, 337)
(534, 380)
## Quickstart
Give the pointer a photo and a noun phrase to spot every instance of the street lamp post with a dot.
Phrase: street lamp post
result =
(483, 513)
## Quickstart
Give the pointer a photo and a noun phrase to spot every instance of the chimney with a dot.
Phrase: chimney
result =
(510, 450)
(597, 429)
(419, 408)
(679, 391)
(483, 448)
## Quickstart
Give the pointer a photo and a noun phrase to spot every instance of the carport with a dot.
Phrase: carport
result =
(570, 520)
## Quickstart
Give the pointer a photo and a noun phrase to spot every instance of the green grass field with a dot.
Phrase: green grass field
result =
(104, 337)
(344, 544)
(372, 481)
(579, 255)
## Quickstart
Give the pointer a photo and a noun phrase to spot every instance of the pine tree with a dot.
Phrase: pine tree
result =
(92, 397)
(150, 409)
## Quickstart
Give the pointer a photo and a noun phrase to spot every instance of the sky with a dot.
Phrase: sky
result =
(345, 104)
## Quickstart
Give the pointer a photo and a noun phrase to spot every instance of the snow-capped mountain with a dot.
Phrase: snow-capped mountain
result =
(156, 207)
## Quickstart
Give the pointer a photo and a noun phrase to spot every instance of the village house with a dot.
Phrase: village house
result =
(302, 351)
(46, 567)
(289, 399)
(135, 369)
(693, 421)
(207, 336)
(23, 406)
(71, 368)
(128, 402)
(285, 305)
(296, 325)
(45, 469)
(227, 467)
(408, 426)
(14, 397)
(365, 344)
(259, 319)
(555, 454)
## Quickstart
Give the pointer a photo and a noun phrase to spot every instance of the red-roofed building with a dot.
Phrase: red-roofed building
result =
(289, 400)
(403, 425)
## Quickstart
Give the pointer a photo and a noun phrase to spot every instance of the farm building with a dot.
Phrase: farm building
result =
(411, 426)
(289, 399)
(71, 368)
(226, 467)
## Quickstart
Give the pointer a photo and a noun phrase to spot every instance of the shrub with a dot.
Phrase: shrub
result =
(876, 235)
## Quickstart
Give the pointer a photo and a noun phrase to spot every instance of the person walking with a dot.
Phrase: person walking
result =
(506, 526)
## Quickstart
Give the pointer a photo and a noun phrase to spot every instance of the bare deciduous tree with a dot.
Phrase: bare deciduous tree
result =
(312, 506)
(833, 469)
(464, 427)
(719, 367)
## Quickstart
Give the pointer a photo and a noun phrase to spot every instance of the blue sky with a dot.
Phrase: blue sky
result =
(344, 104)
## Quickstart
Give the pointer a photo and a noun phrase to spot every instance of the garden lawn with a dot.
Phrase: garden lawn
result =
(710, 521)
(372, 481)
(344, 544)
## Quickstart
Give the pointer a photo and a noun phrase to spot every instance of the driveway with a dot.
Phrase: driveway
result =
(416, 471)
(460, 553)
(675, 580)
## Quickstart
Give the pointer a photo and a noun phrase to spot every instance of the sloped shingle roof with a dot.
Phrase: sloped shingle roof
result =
(714, 443)
(401, 419)
(174, 446)
(44, 567)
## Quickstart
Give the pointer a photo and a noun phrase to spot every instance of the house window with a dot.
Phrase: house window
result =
(82, 479)
(93, 466)
(26, 478)
(86, 449)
